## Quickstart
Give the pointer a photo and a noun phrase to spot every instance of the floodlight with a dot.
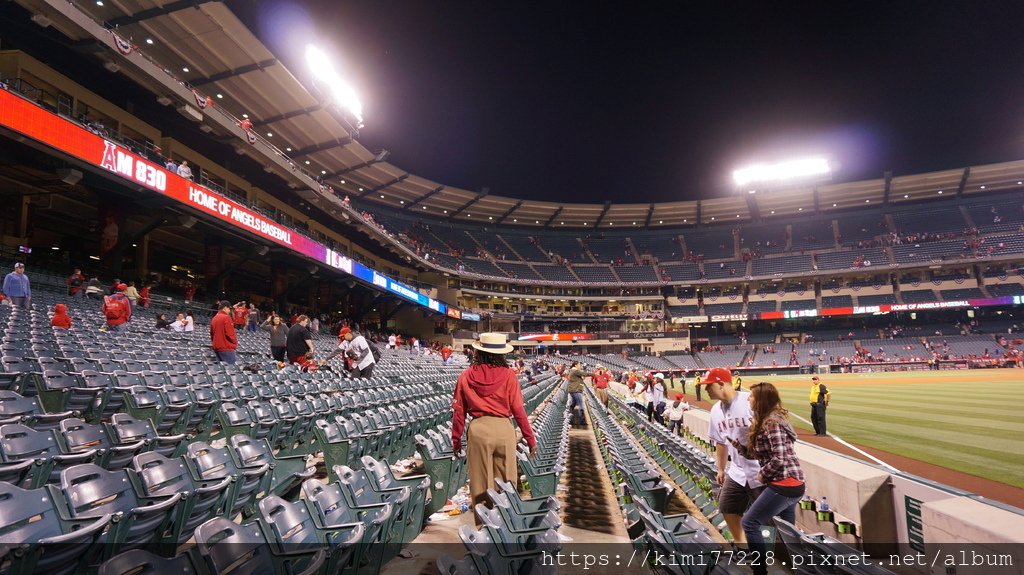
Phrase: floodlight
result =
(341, 91)
(782, 172)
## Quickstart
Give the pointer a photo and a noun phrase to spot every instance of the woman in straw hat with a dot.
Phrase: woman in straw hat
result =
(488, 391)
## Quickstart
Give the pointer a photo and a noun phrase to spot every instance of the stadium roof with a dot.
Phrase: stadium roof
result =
(222, 56)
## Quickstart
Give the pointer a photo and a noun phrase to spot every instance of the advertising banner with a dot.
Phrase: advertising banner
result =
(24, 117)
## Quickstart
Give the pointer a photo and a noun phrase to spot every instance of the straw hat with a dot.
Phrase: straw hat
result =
(493, 343)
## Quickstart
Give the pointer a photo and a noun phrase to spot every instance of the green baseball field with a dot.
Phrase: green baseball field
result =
(969, 421)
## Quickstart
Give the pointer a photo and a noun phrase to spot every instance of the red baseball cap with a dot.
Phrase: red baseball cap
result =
(344, 330)
(122, 287)
(717, 375)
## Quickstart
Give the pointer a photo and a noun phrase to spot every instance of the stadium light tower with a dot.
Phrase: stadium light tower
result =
(757, 176)
(341, 92)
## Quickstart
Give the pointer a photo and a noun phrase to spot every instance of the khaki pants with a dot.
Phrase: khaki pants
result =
(602, 396)
(491, 454)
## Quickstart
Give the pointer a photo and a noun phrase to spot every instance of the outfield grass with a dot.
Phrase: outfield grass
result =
(971, 421)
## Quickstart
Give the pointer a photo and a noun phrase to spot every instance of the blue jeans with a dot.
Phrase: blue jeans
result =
(225, 356)
(769, 504)
(577, 404)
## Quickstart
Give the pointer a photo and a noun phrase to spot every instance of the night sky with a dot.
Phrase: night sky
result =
(641, 101)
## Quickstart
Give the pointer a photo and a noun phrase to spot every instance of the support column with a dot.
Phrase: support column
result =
(213, 262)
(142, 257)
(24, 216)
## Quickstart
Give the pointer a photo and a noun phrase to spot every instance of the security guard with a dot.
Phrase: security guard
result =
(819, 401)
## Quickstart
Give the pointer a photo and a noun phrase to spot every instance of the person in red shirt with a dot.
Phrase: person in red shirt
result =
(190, 292)
(601, 378)
(61, 318)
(117, 308)
(446, 352)
(240, 315)
(488, 391)
(144, 298)
(222, 334)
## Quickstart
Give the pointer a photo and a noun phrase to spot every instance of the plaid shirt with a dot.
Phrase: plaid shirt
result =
(773, 448)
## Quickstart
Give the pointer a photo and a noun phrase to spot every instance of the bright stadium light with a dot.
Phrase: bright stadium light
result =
(782, 172)
(341, 91)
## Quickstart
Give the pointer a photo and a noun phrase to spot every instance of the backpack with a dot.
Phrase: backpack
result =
(112, 308)
(374, 351)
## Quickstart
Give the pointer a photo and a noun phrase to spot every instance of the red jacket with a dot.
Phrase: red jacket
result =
(488, 390)
(61, 317)
(126, 307)
(222, 333)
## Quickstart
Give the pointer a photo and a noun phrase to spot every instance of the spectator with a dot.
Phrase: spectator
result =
(239, 315)
(278, 336)
(190, 292)
(144, 297)
(254, 317)
(738, 476)
(182, 323)
(185, 171)
(299, 342)
(170, 166)
(576, 376)
(674, 413)
(61, 319)
(446, 353)
(360, 352)
(161, 322)
(132, 294)
(489, 392)
(601, 378)
(770, 441)
(17, 288)
(223, 337)
(75, 282)
(95, 289)
(117, 309)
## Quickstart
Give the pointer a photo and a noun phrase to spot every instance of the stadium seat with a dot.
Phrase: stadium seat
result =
(292, 532)
(90, 492)
(208, 463)
(141, 562)
(163, 477)
(232, 549)
(45, 541)
(125, 429)
(287, 472)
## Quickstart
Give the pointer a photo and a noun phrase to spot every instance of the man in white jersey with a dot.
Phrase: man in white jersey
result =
(730, 420)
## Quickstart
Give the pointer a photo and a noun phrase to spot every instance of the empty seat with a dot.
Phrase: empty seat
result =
(141, 562)
(88, 492)
(163, 477)
(287, 472)
(209, 463)
(293, 533)
(232, 549)
(78, 436)
(46, 542)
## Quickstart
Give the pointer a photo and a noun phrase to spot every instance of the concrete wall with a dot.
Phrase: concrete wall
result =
(698, 422)
(980, 529)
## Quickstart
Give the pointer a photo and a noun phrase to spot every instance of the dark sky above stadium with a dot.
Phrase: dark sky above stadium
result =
(653, 101)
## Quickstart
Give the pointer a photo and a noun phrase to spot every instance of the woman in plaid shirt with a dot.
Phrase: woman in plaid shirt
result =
(771, 443)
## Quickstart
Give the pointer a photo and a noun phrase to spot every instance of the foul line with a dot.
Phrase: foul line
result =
(850, 445)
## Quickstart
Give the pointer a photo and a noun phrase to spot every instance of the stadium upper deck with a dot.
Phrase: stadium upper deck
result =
(228, 81)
